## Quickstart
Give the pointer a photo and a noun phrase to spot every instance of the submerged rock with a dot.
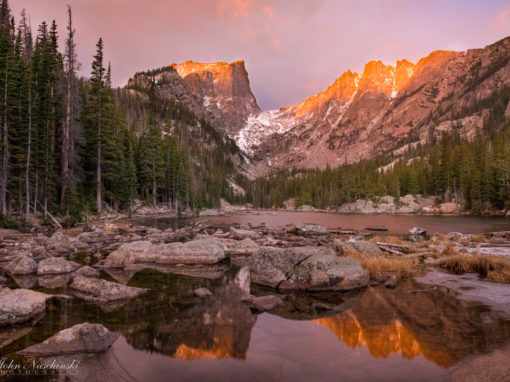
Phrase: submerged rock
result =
(102, 291)
(23, 265)
(202, 292)
(55, 265)
(265, 303)
(21, 305)
(305, 268)
(81, 338)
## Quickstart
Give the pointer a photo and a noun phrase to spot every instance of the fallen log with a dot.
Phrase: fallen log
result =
(395, 249)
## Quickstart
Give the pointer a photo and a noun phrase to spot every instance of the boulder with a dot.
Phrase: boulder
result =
(387, 199)
(449, 208)
(408, 205)
(305, 208)
(417, 231)
(102, 291)
(360, 206)
(56, 265)
(23, 265)
(205, 251)
(210, 212)
(311, 229)
(264, 303)
(87, 271)
(241, 234)
(246, 247)
(21, 305)
(79, 339)
(126, 254)
(289, 204)
(202, 292)
(305, 268)
(362, 246)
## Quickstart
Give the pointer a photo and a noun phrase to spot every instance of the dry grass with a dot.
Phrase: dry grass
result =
(478, 239)
(494, 268)
(382, 265)
(449, 250)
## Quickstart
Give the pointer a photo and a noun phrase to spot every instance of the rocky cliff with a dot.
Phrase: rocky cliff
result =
(386, 108)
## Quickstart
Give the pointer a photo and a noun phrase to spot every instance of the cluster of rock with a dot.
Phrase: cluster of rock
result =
(408, 204)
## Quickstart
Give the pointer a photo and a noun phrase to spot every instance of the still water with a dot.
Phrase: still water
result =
(168, 334)
(398, 224)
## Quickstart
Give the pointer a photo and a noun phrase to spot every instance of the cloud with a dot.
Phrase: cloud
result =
(502, 21)
(268, 11)
(234, 8)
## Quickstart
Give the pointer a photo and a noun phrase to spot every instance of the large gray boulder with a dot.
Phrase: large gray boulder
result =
(305, 268)
(79, 339)
(56, 265)
(102, 291)
(23, 265)
(21, 305)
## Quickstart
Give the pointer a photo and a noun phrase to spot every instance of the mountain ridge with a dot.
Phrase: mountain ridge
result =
(385, 108)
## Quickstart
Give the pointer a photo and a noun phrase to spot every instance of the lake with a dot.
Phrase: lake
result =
(374, 334)
(397, 224)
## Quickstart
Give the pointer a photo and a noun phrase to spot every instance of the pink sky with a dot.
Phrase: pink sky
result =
(292, 48)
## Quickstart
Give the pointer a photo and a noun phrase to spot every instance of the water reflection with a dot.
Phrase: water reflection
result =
(433, 324)
(170, 322)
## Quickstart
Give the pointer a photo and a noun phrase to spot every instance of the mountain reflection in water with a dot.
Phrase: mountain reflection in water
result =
(431, 323)
(386, 334)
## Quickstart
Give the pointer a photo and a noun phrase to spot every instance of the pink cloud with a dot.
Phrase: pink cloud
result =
(268, 11)
(502, 21)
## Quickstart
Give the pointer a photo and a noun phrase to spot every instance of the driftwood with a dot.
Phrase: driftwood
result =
(394, 249)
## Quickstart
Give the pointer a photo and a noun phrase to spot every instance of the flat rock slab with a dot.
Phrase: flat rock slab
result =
(470, 288)
(79, 339)
(102, 291)
(195, 252)
(55, 266)
(21, 305)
